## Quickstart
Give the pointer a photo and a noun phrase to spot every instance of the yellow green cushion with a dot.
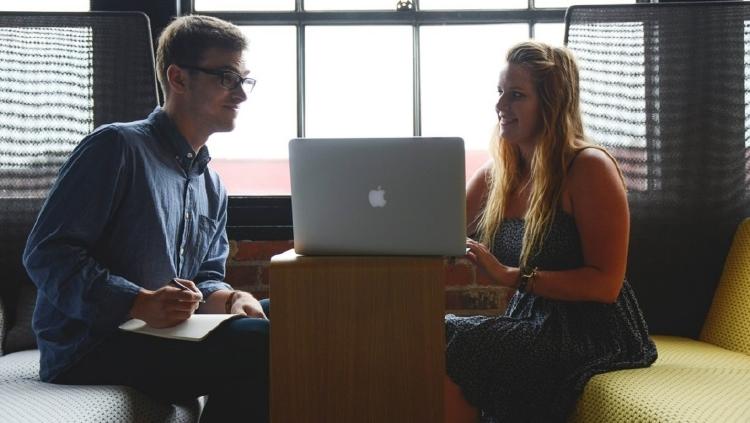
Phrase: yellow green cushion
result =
(676, 352)
(691, 381)
(728, 322)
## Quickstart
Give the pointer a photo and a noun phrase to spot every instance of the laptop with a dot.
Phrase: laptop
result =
(378, 196)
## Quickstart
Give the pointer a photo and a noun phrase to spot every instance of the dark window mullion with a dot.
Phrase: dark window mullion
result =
(417, 67)
(417, 78)
(301, 111)
(299, 6)
(431, 17)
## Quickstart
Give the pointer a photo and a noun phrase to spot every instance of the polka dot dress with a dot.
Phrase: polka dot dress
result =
(531, 363)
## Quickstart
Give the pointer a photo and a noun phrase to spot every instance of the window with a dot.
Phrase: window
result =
(45, 6)
(472, 4)
(358, 81)
(566, 3)
(550, 33)
(459, 95)
(252, 159)
(338, 68)
(242, 5)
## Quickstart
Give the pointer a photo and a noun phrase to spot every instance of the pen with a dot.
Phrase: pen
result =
(184, 288)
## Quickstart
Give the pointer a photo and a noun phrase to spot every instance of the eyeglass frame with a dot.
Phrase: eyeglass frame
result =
(221, 73)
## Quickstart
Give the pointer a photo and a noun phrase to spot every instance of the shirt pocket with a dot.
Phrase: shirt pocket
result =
(204, 235)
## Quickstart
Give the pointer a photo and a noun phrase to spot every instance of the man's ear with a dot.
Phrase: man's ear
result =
(176, 78)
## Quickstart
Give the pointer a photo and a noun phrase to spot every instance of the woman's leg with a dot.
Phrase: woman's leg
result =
(457, 409)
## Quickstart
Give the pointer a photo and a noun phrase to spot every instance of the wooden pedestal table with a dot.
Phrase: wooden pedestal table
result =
(357, 339)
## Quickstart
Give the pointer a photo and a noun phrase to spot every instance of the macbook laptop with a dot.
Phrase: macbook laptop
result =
(378, 196)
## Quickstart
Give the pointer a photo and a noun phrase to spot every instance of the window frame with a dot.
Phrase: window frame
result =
(270, 217)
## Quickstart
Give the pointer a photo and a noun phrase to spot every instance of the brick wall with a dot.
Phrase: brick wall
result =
(247, 269)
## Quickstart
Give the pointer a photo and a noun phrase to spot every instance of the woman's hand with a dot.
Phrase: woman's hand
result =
(488, 267)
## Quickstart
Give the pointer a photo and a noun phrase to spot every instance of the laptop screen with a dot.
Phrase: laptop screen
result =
(378, 196)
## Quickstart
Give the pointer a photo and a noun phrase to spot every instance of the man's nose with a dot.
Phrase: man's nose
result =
(239, 94)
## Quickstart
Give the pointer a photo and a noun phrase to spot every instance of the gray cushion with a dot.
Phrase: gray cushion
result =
(34, 401)
(23, 365)
(2, 326)
(23, 398)
(20, 335)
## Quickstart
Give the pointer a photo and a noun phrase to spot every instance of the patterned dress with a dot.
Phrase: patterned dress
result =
(531, 363)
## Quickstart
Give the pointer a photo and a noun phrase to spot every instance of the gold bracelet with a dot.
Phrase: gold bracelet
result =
(532, 281)
(527, 280)
(230, 301)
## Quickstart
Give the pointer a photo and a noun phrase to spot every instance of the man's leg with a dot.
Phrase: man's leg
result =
(239, 399)
(230, 366)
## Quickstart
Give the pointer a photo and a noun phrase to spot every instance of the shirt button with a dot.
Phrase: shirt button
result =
(182, 251)
(187, 215)
(189, 155)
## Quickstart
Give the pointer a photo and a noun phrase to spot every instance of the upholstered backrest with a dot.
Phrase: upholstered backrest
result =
(2, 325)
(664, 88)
(61, 75)
(728, 321)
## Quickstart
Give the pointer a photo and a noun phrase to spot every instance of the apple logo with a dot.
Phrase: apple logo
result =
(377, 197)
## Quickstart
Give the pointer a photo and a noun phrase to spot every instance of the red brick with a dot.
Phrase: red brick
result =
(260, 293)
(459, 274)
(260, 250)
(242, 276)
(453, 300)
(232, 250)
(482, 300)
(263, 276)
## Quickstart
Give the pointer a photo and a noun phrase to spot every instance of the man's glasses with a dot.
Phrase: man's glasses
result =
(229, 79)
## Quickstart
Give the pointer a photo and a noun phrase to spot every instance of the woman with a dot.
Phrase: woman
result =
(551, 218)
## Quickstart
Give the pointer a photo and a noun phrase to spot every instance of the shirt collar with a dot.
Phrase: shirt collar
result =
(171, 138)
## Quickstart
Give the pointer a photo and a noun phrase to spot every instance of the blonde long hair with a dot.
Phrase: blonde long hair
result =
(555, 74)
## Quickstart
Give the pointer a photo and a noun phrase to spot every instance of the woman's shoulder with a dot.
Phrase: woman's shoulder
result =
(478, 180)
(592, 172)
(590, 161)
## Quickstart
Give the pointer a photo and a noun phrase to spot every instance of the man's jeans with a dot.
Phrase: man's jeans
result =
(230, 366)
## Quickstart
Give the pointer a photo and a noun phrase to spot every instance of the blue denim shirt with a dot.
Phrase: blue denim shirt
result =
(132, 207)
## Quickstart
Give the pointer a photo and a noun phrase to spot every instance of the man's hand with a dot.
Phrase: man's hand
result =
(167, 306)
(244, 303)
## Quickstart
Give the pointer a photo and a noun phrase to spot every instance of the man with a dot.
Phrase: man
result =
(134, 207)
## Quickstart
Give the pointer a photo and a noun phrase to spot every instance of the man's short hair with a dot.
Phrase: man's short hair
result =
(186, 39)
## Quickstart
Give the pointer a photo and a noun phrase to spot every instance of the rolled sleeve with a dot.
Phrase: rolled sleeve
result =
(59, 252)
(209, 287)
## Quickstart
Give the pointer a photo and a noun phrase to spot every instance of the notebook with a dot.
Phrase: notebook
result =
(378, 196)
(196, 328)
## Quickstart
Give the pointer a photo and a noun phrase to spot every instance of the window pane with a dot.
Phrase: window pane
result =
(350, 5)
(45, 6)
(566, 3)
(459, 84)
(359, 81)
(252, 159)
(244, 5)
(550, 33)
(472, 4)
